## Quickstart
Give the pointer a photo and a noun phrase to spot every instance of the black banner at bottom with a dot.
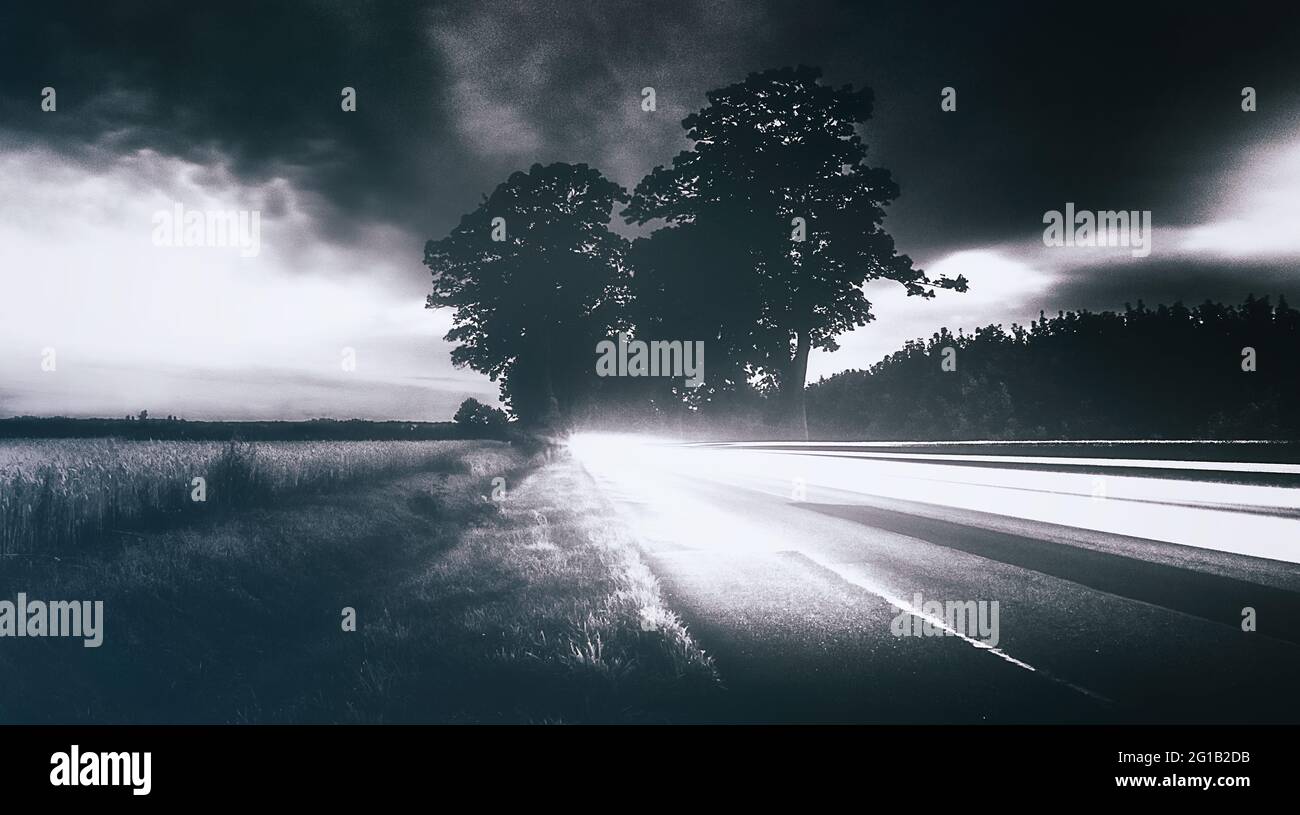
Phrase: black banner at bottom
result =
(331, 764)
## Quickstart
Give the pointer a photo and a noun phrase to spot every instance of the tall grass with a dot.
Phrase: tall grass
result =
(61, 495)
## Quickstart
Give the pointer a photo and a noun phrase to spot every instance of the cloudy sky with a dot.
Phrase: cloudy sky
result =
(237, 106)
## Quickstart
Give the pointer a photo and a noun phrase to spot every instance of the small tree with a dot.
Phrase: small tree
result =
(475, 414)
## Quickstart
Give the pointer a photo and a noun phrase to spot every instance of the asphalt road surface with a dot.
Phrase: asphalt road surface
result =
(1122, 580)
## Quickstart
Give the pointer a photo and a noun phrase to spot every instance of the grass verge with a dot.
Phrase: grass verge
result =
(534, 608)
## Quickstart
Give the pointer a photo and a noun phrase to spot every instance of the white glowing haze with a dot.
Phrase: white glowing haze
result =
(673, 479)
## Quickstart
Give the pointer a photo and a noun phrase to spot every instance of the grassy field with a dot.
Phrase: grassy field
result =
(60, 495)
(530, 608)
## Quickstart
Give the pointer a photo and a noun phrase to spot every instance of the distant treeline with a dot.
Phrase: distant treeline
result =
(1168, 372)
(180, 429)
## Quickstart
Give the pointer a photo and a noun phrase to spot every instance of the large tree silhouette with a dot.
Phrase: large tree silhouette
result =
(777, 147)
(534, 292)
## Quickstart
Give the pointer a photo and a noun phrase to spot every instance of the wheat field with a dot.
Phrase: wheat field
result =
(58, 495)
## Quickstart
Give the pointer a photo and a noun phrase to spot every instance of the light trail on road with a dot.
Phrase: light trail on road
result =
(1247, 519)
(1121, 588)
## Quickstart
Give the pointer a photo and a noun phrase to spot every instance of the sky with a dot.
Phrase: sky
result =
(236, 106)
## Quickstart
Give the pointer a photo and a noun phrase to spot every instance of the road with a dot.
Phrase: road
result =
(1121, 582)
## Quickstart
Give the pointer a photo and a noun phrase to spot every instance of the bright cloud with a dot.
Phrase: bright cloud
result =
(1261, 210)
(1002, 289)
(79, 273)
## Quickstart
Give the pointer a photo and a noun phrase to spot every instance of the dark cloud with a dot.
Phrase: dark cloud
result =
(1131, 105)
(451, 98)
(259, 82)
(1119, 105)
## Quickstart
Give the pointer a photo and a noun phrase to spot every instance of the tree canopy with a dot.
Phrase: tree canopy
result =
(777, 147)
(536, 278)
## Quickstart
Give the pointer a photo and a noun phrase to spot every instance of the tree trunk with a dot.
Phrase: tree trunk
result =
(796, 413)
(551, 412)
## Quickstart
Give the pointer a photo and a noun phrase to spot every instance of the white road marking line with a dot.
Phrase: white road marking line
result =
(908, 608)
